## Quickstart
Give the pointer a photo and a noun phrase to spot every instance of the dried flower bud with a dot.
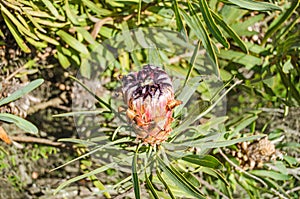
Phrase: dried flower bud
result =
(149, 95)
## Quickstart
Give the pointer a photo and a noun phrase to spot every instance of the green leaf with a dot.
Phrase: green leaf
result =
(216, 174)
(77, 178)
(244, 123)
(241, 27)
(93, 112)
(255, 5)
(85, 67)
(216, 144)
(196, 25)
(165, 184)
(22, 91)
(139, 12)
(290, 160)
(51, 8)
(70, 15)
(91, 143)
(192, 62)
(95, 8)
(204, 160)
(192, 179)
(47, 38)
(230, 31)
(129, 43)
(37, 13)
(16, 22)
(34, 22)
(73, 42)
(239, 57)
(200, 111)
(20, 122)
(86, 35)
(50, 23)
(290, 86)
(21, 43)
(180, 181)
(135, 178)
(150, 186)
(282, 18)
(271, 174)
(209, 20)
(187, 91)
(96, 97)
(179, 22)
(35, 43)
(97, 183)
(63, 60)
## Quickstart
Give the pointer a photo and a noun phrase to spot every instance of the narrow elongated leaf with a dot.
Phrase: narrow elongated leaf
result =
(73, 42)
(85, 66)
(22, 91)
(93, 112)
(15, 6)
(206, 160)
(94, 172)
(180, 180)
(166, 185)
(51, 8)
(200, 112)
(39, 14)
(96, 97)
(35, 43)
(283, 17)
(238, 57)
(230, 31)
(97, 183)
(90, 143)
(209, 20)
(286, 80)
(63, 60)
(217, 144)
(21, 43)
(271, 174)
(243, 124)
(47, 38)
(86, 35)
(255, 5)
(22, 20)
(196, 25)
(50, 23)
(135, 178)
(20, 122)
(150, 186)
(34, 22)
(179, 22)
(192, 62)
(16, 22)
(129, 43)
(139, 12)
(96, 8)
(215, 173)
(187, 92)
(70, 15)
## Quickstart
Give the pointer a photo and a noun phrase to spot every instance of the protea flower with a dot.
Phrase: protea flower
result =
(149, 95)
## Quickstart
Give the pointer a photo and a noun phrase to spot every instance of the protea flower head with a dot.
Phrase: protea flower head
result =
(149, 95)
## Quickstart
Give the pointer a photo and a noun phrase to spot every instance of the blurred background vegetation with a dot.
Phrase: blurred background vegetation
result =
(252, 46)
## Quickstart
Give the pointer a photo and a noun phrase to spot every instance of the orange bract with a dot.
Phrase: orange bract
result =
(4, 136)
